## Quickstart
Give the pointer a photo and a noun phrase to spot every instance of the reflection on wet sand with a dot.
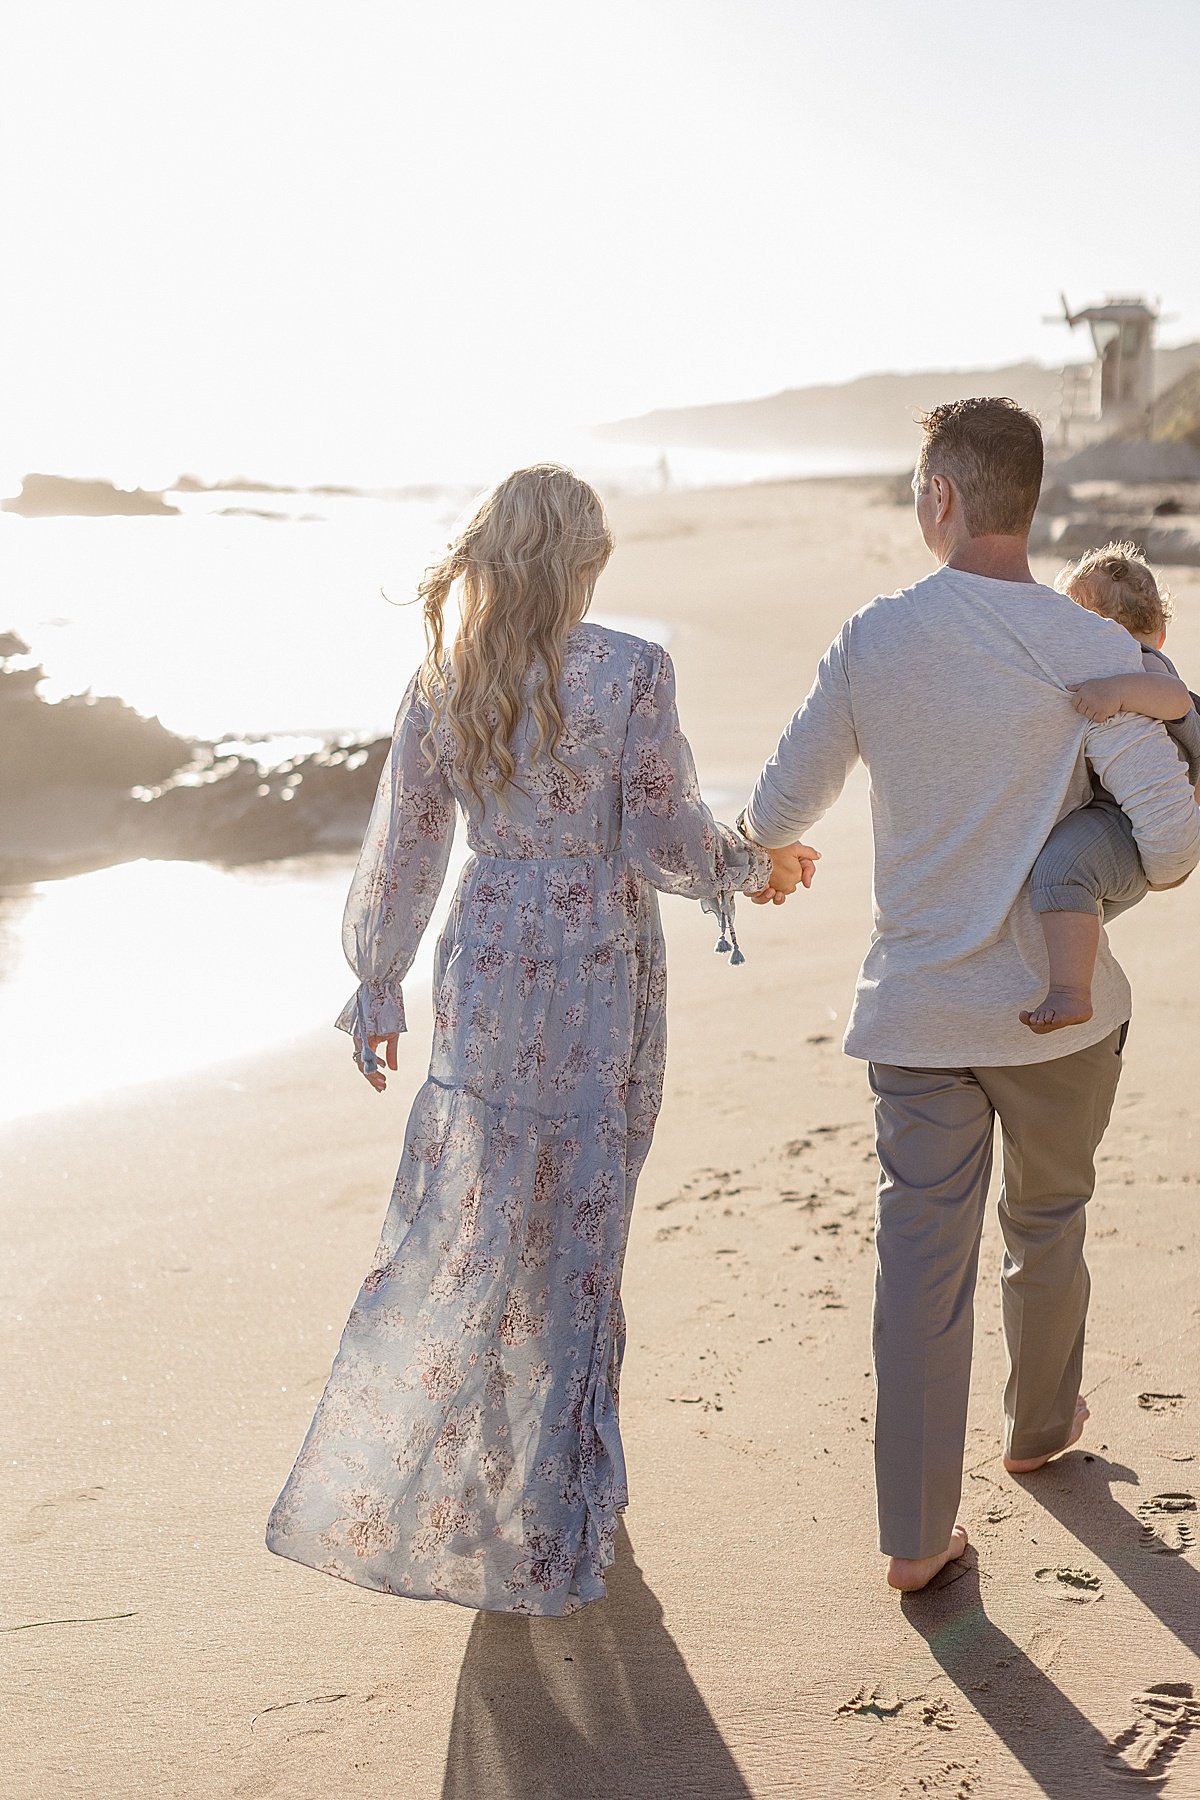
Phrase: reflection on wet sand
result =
(152, 968)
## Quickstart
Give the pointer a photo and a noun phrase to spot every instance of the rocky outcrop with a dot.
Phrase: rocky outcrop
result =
(88, 782)
(1164, 524)
(58, 496)
(1117, 459)
(227, 810)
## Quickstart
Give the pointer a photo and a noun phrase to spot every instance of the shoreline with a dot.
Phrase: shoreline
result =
(150, 792)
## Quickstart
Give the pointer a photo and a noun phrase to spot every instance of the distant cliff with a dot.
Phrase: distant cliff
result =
(872, 415)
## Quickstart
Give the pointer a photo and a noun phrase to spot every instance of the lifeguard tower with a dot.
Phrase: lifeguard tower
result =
(1117, 388)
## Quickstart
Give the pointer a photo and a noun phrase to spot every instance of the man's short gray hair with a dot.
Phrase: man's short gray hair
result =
(991, 449)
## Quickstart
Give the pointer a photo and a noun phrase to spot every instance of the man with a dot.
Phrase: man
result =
(954, 692)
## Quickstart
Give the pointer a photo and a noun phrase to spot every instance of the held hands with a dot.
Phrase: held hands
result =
(791, 867)
(378, 1079)
(1098, 700)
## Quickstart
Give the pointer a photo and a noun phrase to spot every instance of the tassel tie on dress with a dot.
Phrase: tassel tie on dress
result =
(366, 1058)
(728, 938)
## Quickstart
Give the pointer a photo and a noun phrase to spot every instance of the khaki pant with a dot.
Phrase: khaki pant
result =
(934, 1130)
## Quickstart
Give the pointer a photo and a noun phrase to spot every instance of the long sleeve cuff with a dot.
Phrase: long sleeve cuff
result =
(1166, 870)
(375, 1009)
(759, 872)
(721, 907)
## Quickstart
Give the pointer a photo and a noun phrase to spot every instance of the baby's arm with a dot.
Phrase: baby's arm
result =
(1151, 696)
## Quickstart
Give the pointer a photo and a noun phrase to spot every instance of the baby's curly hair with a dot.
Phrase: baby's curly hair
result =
(1118, 583)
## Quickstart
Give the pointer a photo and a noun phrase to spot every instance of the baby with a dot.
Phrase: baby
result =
(1089, 868)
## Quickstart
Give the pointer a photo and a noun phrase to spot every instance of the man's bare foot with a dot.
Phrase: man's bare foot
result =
(908, 1573)
(1025, 1465)
(1062, 1006)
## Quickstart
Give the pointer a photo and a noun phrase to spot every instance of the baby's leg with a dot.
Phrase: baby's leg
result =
(1089, 863)
(1072, 940)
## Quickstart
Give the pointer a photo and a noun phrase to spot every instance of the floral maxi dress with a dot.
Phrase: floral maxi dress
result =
(466, 1446)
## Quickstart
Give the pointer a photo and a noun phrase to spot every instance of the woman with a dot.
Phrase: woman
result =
(466, 1446)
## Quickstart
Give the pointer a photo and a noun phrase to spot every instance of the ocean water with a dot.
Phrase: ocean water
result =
(273, 630)
(238, 626)
(226, 623)
(136, 973)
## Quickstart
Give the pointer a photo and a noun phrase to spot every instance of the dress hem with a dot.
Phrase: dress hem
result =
(517, 1611)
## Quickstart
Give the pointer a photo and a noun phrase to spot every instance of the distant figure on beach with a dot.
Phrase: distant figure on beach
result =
(466, 1447)
(1090, 870)
(957, 695)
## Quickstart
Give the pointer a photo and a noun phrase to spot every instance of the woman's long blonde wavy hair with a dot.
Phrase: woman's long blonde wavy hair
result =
(528, 563)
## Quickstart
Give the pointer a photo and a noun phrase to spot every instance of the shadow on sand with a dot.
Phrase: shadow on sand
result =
(597, 1704)
(1062, 1752)
(1138, 1547)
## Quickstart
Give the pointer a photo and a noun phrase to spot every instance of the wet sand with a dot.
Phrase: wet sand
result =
(182, 1259)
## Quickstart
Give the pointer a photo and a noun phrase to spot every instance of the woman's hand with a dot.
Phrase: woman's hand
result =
(376, 1077)
(792, 866)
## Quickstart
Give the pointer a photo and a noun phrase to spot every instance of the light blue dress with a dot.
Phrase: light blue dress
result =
(466, 1446)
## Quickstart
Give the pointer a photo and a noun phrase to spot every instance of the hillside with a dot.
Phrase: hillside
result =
(872, 414)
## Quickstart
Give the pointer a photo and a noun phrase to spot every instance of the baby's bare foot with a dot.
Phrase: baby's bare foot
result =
(1062, 1006)
(1025, 1465)
(908, 1573)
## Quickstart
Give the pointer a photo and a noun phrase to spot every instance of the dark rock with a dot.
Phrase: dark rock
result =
(55, 496)
(81, 741)
(228, 811)
(88, 782)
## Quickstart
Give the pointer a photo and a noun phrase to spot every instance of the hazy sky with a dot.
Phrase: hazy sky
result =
(341, 239)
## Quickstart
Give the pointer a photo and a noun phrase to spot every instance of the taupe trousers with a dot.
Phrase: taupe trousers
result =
(934, 1130)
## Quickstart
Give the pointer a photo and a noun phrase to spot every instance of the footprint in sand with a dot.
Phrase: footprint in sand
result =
(953, 1781)
(878, 1701)
(39, 1522)
(1160, 1403)
(881, 1700)
(1079, 1585)
(704, 1185)
(1168, 1523)
(798, 1146)
(831, 1300)
(1163, 1715)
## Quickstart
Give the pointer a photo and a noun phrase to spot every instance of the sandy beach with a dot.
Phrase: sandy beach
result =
(181, 1258)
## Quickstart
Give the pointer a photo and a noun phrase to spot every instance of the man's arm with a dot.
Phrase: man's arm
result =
(1152, 696)
(1140, 767)
(813, 758)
